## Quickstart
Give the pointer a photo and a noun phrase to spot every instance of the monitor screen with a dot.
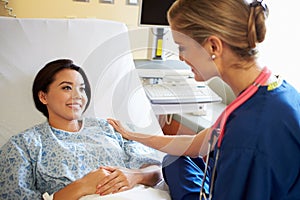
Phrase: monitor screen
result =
(154, 12)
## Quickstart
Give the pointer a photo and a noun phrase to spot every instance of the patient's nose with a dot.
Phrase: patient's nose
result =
(77, 94)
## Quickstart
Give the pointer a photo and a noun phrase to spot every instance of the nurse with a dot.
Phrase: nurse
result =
(250, 150)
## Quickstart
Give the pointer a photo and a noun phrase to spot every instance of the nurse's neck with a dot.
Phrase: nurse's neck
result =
(240, 79)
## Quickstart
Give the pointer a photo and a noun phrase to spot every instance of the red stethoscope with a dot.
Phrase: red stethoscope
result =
(218, 128)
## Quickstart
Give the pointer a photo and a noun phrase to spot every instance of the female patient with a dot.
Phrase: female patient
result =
(68, 155)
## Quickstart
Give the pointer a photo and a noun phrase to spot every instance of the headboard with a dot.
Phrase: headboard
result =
(101, 47)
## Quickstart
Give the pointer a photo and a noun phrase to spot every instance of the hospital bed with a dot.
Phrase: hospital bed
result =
(102, 48)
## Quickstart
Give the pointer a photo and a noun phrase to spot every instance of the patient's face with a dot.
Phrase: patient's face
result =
(66, 98)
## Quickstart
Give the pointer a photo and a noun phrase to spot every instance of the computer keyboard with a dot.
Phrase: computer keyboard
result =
(168, 93)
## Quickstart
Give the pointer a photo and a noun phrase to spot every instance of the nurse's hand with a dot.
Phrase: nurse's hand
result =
(119, 128)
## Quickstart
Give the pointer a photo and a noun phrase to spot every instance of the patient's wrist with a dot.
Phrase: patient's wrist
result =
(74, 190)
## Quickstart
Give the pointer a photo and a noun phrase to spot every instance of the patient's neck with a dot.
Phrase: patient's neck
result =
(70, 126)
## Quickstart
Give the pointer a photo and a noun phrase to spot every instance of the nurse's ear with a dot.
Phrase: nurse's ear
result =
(214, 46)
(43, 97)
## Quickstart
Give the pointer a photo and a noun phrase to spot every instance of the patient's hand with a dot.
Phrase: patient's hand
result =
(92, 179)
(117, 181)
(119, 128)
(84, 186)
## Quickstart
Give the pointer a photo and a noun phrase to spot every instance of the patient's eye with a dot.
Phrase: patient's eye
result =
(67, 87)
(82, 89)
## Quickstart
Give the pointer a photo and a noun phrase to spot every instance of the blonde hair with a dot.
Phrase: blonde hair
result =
(238, 24)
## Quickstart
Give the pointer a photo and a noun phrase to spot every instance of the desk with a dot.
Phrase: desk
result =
(182, 113)
(171, 72)
(197, 123)
(161, 109)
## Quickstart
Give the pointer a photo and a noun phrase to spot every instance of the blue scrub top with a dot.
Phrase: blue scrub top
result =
(259, 155)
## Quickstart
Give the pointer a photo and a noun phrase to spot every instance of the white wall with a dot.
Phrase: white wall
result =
(280, 51)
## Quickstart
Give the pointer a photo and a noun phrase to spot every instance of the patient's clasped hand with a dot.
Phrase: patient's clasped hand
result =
(68, 155)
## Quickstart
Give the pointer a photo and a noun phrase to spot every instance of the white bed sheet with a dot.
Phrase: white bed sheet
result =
(138, 192)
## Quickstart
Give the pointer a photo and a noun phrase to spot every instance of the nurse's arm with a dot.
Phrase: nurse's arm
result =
(178, 145)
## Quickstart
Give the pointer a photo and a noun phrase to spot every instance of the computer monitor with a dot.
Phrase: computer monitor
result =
(154, 12)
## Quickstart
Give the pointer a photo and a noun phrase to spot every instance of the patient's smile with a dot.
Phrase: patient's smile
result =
(75, 106)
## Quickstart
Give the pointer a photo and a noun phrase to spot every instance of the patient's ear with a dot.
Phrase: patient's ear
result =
(42, 97)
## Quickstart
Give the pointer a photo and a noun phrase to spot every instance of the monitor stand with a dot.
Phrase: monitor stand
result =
(157, 52)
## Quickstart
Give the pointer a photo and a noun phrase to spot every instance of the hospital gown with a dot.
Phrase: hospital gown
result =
(44, 159)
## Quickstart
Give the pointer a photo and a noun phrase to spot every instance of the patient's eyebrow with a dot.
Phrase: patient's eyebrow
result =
(66, 82)
(70, 83)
